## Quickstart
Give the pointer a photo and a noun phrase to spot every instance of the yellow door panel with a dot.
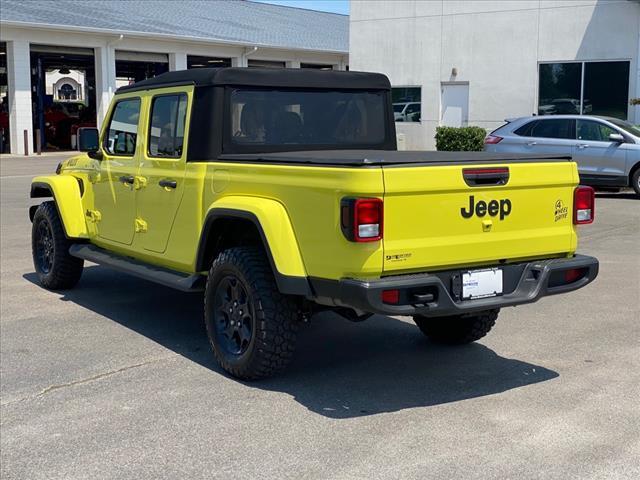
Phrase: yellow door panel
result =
(113, 185)
(162, 165)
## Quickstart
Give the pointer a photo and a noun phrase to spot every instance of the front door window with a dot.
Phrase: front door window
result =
(123, 128)
(594, 131)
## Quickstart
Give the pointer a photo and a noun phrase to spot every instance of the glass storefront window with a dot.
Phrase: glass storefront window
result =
(559, 91)
(4, 100)
(407, 104)
(606, 89)
(589, 88)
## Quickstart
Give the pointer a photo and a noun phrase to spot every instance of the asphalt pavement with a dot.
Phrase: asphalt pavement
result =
(114, 379)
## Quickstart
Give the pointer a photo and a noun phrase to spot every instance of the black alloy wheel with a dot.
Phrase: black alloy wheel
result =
(45, 248)
(251, 326)
(233, 315)
(55, 267)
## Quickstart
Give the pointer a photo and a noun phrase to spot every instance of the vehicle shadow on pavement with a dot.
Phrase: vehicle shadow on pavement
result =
(340, 370)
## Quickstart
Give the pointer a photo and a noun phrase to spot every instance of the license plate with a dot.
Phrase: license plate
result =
(481, 283)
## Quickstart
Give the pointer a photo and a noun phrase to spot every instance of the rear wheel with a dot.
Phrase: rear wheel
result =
(251, 326)
(635, 181)
(459, 329)
(56, 269)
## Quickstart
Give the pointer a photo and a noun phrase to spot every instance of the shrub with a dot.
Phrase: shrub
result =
(462, 139)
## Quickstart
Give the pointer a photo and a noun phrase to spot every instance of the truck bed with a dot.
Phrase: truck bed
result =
(367, 158)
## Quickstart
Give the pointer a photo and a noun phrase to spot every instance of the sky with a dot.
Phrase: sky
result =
(334, 6)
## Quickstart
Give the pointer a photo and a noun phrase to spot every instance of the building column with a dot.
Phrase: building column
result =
(105, 64)
(177, 61)
(19, 80)
(634, 115)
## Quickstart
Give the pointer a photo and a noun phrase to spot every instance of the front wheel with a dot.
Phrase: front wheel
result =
(251, 326)
(459, 329)
(635, 181)
(56, 269)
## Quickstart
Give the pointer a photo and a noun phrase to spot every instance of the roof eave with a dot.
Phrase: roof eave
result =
(163, 36)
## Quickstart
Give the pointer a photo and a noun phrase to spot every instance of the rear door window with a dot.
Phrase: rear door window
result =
(122, 133)
(166, 132)
(525, 130)
(557, 128)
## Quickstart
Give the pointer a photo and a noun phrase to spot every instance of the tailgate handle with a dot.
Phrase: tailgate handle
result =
(480, 177)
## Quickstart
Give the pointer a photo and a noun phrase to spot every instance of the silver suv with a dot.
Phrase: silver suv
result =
(606, 149)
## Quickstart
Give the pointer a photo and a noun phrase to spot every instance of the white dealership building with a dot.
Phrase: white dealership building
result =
(61, 61)
(479, 62)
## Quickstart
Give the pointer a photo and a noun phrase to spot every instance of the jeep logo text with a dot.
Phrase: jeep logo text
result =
(493, 208)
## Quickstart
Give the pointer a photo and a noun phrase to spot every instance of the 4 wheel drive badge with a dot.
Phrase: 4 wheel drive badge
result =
(561, 210)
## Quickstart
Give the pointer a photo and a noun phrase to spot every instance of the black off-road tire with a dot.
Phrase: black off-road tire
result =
(274, 318)
(457, 330)
(56, 269)
(635, 181)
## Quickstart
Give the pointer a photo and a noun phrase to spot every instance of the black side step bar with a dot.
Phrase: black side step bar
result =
(163, 276)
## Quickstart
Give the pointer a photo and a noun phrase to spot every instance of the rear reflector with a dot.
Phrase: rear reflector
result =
(574, 274)
(559, 278)
(361, 219)
(583, 205)
(391, 296)
(492, 139)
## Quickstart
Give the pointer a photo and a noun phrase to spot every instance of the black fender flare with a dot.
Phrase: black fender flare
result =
(287, 284)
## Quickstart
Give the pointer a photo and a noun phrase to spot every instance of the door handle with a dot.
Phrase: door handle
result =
(166, 183)
(583, 145)
(531, 144)
(127, 179)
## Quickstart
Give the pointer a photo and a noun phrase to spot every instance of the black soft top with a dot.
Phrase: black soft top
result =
(266, 77)
(364, 158)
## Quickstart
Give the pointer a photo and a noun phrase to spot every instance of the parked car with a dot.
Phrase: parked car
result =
(406, 112)
(606, 149)
(290, 198)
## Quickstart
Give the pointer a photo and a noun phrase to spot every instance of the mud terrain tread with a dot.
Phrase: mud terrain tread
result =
(457, 330)
(66, 270)
(276, 315)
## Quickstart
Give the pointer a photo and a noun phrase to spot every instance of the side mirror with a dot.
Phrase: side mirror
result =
(616, 137)
(95, 154)
(88, 139)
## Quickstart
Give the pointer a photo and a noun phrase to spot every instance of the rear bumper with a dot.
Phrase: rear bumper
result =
(438, 294)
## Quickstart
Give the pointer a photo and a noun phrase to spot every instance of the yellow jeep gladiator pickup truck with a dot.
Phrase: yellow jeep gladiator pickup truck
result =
(280, 193)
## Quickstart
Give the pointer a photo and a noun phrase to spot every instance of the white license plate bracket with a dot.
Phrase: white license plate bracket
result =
(481, 283)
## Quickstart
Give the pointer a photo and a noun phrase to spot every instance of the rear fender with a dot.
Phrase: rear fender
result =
(278, 238)
(65, 191)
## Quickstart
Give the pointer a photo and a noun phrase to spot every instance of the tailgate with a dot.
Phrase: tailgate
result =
(436, 216)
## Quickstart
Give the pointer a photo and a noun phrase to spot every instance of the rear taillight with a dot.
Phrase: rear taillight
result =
(492, 139)
(583, 205)
(361, 219)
